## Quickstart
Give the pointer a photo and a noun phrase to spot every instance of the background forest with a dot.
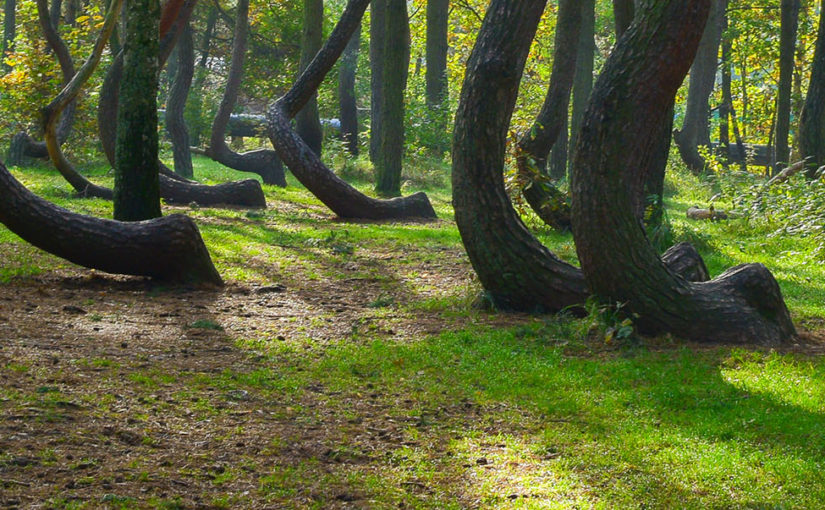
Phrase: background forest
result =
(343, 311)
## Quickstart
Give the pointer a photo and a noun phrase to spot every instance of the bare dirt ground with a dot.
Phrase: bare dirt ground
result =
(116, 392)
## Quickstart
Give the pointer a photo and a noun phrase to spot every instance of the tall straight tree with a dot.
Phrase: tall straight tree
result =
(787, 50)
(176, 103)
(9, 30)
(695, 130)
(308, 121)
(348, 107)
(812, 120)
(137, 188)
(396, 66)
(436, 74)
(583, 82)
(378, 15)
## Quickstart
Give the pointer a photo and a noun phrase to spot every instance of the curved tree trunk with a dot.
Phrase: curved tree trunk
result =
(534, 146)
(247, 193)
(23, 144)
(262, 162)
(168, 249)
(695, 130)
(378, 21)
(787, 50)
(632, 97)
(348, 108)
(307, 121)
(176, 103)
(812, 120)
(396, 68)
(343, 199)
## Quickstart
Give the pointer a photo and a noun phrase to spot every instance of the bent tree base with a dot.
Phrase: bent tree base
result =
(169, 249)
(632, 97)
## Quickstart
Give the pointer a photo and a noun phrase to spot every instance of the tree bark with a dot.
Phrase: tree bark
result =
(137, 185)
(787, 50)
(396, 68)
(436, 71)
(175, 105)
(378, 20)
(623, 13)
(169, 249)
(343, 199)
(9, 32)
(534, 146)
(583, 82)
(348, 107)
(262, 162)
(695, 130)
(633, 95)
(812, 120)
(308, 121)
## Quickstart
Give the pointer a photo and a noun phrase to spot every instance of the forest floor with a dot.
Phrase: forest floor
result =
(344, 366)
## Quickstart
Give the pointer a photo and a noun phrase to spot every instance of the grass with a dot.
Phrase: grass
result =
(538, 414)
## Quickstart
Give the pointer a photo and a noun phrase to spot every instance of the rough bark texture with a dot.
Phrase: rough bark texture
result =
(623, 12)
(348, 108)
(583, 82)
(812, 120)
(137, 186)
(787, 50)
(695, 130)
(684, 260)
(343, 199)
(175, 105)
(308, 121)
(378, 20)
(517, 272)
(262, 162)
(631, 98)
(169, 249)
(9, 31)
(396, 68)
(558, 156)
(545, 199)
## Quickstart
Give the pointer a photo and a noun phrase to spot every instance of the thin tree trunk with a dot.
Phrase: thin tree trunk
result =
(262, 162)
(175, 123)
(436, 69)
(787, 50)
(378, 20)
(583, 82)
(695, 130)
(812, 120)
(343, 199)
(633, 95)
(535, 144)
(727, 110)
(396, 68)
(194, 112)
(307, 121)
(348, 106)
(9, 32)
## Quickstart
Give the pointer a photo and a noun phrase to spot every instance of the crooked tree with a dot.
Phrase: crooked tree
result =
(631, 98)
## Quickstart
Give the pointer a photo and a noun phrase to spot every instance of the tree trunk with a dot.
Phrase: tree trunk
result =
(558, 156)
(436, 70)
(623, 13)
(307, 121)
(583, 82)
(787, 50)
(194, 105)
(9, 32)
(633, 96)
(262, 162)
(812, 120)
(343, 199)
(137, 186)
(695, 130)
(175, 105)
(396, 68)
(168, 249)
(534, 145)
(378, 20)
(348, 107)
